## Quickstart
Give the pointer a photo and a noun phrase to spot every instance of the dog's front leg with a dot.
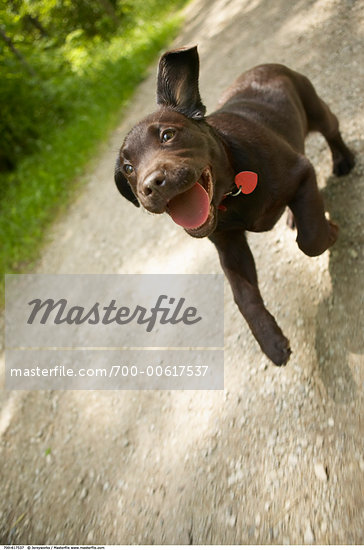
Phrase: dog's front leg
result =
(238, 264)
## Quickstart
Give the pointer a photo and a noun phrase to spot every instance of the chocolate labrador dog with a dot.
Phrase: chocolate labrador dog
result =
(235, 170)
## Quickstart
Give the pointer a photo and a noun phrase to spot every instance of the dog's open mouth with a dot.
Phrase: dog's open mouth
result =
(192, 208)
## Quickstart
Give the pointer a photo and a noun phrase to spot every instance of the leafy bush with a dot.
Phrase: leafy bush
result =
(46, 64)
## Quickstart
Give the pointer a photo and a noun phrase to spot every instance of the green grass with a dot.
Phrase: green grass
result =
(45, 181)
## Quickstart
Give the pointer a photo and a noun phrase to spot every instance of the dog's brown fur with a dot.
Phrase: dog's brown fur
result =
(260, 126)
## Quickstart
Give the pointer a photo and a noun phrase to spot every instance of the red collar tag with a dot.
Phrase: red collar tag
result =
(246, 182)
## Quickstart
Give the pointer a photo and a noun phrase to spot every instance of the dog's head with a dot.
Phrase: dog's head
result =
(165, 162)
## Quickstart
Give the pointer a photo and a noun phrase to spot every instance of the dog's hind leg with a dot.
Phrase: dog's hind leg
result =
(315, 233)
(321, 119)
(238, 264)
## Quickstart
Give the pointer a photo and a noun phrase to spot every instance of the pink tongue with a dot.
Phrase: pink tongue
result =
(191, 208)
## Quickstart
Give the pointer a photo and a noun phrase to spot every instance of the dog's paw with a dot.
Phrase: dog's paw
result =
(278, 350)
(343, 164)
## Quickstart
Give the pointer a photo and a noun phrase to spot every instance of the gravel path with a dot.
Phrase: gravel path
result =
(278, 457)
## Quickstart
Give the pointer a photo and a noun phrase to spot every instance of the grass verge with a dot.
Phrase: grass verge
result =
(45, 181)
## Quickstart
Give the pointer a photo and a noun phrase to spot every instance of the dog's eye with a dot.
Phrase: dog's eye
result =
(166, 135)
(128, 169)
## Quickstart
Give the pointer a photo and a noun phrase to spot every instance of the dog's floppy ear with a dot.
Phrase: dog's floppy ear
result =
(123, 185)
(177, 84)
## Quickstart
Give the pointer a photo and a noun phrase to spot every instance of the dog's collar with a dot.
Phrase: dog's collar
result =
(246, 182)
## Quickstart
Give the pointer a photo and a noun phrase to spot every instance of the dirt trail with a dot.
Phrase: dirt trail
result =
(278, 457)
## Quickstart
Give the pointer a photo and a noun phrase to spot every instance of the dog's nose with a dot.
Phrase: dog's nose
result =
(153, 181)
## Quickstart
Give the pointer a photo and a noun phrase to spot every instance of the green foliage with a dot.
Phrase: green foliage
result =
(45, 45)
(60, 93)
